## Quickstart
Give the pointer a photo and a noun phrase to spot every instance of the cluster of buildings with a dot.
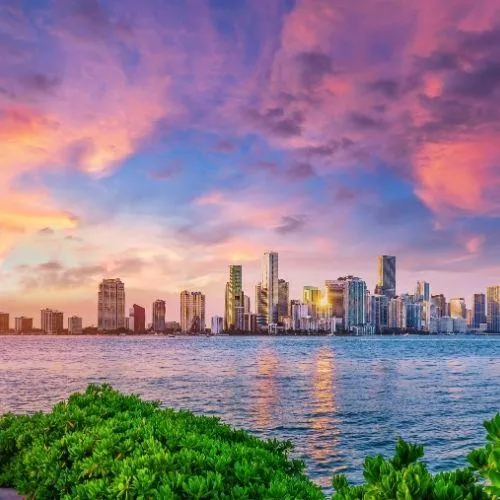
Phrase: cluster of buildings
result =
(345, 305)
(342, 305)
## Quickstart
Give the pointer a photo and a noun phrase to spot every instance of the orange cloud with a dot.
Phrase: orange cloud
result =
(459, 175)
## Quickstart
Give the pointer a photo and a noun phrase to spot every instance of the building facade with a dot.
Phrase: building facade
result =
(75, 325)
(387, 276)
(379, 312)
(51, 321)
(355, 293)
(269, 285)
(4, 322)
(334, 297)
(23, 324)
(458, 309)
(283, 300)
(493, 303)
(438, 302)
(217, 325)
(397, 313)
(423, 291)
(414, 315)
(192, 312)
(234, 299)
(478, 309)
(139, 322)
(111, 305)
(159, 312)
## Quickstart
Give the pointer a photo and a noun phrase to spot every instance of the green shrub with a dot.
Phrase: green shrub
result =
(105, 445)
(487, 460)
(102, 444)
(404, 477)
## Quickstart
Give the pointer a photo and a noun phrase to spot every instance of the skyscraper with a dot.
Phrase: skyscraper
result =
(334, 293)
(354, 302)
(379, 310)
(192, 312)
(217, 325)
(23, 324)
(75, 326)
(158, 315)
(493, 302)
(311, 295)
(235, 299)
(397, 313)
(386, 276)
(439, 303)
(269, 287)
(478, 309)
(422, 291)
(111, 305)
(51, 321)
(4, 322)
(139, 315)
(283, 299)
(246, 304)
(458, 309)
(414, 315)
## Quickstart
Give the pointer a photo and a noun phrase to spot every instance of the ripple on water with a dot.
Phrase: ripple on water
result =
(337, 399)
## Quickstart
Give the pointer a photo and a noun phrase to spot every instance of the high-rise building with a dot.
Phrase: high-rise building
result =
(439, 303)
(334, 295)
(422, 291)
(4, 322)
(478, 309)
(51, 321)
(458, 309)
(246, 304)
(250, 323)
(217, 325)
(23, 324)
(111, 305)
(414, 315)
(283, 300)
(139, 321)
(469, 317)
(378, 312)
(269, 287)
(260, 305)
(493, 303)
(397, 313)
(158, 315)
(75, 325)
(354, 302)
(386, 276)
(311, 295)
(192, 312)
(235, 299)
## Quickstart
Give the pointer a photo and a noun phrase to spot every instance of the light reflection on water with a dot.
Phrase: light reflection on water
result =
(337, 399)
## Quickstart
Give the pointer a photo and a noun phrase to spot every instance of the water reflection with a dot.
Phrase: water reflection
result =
(337, 399)
(266, 393)
(323, 445)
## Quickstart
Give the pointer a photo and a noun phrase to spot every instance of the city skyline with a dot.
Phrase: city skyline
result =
(161, 163)
(347, 297)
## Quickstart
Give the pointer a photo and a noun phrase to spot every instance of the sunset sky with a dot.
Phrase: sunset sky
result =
(160, 141)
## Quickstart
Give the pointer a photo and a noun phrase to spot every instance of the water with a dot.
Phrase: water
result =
(338, 399)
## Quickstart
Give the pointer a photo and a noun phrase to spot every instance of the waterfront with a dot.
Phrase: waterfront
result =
(337, 399)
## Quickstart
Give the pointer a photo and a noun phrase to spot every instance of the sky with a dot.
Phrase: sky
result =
(160, 141)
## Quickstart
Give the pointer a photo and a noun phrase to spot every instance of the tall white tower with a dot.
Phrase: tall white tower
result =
(270, 284)
(111, 305)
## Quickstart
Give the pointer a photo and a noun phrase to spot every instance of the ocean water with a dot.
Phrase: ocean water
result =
(337, 399)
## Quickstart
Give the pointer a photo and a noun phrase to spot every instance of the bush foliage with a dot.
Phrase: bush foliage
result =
(404, 477)
(102, 444)
(105, 445)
